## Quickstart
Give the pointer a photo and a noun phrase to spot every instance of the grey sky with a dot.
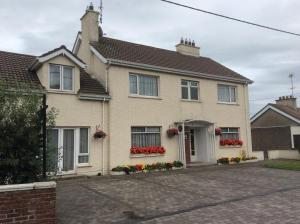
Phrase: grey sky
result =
(267, 57)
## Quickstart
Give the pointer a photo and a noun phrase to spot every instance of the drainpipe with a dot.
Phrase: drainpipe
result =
(103, 104)
(183, 143)
(106, 75)
(246, 102)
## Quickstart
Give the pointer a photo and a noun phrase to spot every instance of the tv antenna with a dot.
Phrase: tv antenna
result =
(101, 11)
(291, 76)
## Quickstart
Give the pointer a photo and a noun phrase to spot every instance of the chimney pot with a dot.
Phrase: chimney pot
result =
(289, 101)
(188, 47)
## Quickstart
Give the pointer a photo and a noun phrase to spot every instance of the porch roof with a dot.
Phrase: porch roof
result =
(195, 123)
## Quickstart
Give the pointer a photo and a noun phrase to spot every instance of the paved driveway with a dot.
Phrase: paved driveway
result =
(221, 194)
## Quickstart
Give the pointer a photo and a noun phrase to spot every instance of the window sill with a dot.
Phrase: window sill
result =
(84, 165)
(61, 92)
(145, 155)
(191, 101)
(145, 97)
(230, 146)
(227, 103)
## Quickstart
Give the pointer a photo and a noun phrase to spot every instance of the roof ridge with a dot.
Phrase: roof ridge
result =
(9, 52)
(144, 45)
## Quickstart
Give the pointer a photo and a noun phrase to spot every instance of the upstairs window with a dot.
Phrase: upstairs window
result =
(226, 93)
(189, 90)
(143, 85)
(61, 78)
(145, 136)
(230, 133)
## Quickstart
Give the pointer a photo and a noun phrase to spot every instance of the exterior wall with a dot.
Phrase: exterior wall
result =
(127, 111)
(76, 113)
(28, 203)
(270, 119)
(273, 138)
(295, 130)
(284, 154)
(259, 155)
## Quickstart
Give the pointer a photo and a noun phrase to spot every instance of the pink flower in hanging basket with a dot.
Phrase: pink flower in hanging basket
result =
(218, 131)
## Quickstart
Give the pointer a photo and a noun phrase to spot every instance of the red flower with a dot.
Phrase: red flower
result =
(218, 131)
(147, 150)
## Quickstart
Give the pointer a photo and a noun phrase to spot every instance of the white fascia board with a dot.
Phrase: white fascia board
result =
(63, 52)
(76, 44)
(98, 55)
(276, 110)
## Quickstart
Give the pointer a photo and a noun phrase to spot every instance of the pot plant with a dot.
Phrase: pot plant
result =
(99, 133)
(171, 132)
(218, 131)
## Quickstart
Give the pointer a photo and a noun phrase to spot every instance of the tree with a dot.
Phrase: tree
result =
(21, 134)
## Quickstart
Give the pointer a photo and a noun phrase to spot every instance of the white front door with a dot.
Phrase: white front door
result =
(193, 146)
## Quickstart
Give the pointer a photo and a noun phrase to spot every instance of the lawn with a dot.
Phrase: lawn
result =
(287, 165)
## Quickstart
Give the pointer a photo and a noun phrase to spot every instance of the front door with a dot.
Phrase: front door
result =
(192, 146)
(187, 146)
(68, 153)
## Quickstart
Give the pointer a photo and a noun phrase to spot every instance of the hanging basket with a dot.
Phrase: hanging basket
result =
(218, 132)
(171, 132)
(99, 134)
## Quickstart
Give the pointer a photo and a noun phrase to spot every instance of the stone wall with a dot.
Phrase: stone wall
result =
(28, 203)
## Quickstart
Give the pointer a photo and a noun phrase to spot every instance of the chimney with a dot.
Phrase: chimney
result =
(188, 47)
(289, 101)
(90, 25)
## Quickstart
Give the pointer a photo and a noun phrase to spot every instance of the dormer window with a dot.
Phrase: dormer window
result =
(61, 77)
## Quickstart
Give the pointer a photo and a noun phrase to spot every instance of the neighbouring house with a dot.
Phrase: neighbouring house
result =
(153, 105)
(276, 129)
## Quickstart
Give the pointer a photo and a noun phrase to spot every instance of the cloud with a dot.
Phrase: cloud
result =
(267, 57)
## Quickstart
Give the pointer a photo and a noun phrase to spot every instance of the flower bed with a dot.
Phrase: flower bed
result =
(231, 142)
(138, 168)
(234, 160)
(148, 150)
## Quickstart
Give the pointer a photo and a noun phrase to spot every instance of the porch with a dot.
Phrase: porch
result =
(196, 142)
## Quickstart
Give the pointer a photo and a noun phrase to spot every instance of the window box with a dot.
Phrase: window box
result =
(148, 150)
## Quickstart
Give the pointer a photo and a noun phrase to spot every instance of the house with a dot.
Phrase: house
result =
(135, 94)
(276, 129)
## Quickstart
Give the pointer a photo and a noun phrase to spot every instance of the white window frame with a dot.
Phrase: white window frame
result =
(189, 86)
(235, 92)
(76, 148)
(61, 78)
(148, 132)
(231, 132)
(138, 86)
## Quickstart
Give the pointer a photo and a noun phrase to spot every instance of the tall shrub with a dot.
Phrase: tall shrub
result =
(21, 135)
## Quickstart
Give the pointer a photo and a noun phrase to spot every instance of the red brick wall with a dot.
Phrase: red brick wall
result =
(28, 206)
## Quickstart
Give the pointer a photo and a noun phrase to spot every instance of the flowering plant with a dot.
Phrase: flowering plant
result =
(218, 131)
(171, 132)
(148, 150)
(224, 142)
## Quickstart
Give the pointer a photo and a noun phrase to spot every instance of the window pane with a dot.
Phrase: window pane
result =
(232, 94)
(148, 86)
(153, 129)
(133, 84)
(194, 84)
(83, 141)
(54, 77)
(184, 83)
(52, 150)
(233, 129)
(137, 129)
(83, 159)
(184, 93)
(68, 150)
(68, 78)
(146, 139)
(194, 93)
(223, 93)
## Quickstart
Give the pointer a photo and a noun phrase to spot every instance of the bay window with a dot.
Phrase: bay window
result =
(145, 136)
(143, 85)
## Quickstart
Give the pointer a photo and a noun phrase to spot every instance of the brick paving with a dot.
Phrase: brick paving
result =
(246, 193)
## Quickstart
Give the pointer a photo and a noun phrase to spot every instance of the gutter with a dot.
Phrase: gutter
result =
(86, 96)
(176, 71)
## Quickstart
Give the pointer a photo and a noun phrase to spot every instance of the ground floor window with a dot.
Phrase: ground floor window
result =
(230, 133)
(145, 136)
(296, 139)
(67, 147)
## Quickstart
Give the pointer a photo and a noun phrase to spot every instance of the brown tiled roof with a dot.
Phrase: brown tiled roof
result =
(287, 109)
(137, 53)
(90, 85)
(14, 70)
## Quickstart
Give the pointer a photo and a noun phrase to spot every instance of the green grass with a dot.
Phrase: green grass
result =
(286, 165)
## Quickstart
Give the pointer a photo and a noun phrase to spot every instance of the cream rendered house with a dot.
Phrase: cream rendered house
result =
(134, 93)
